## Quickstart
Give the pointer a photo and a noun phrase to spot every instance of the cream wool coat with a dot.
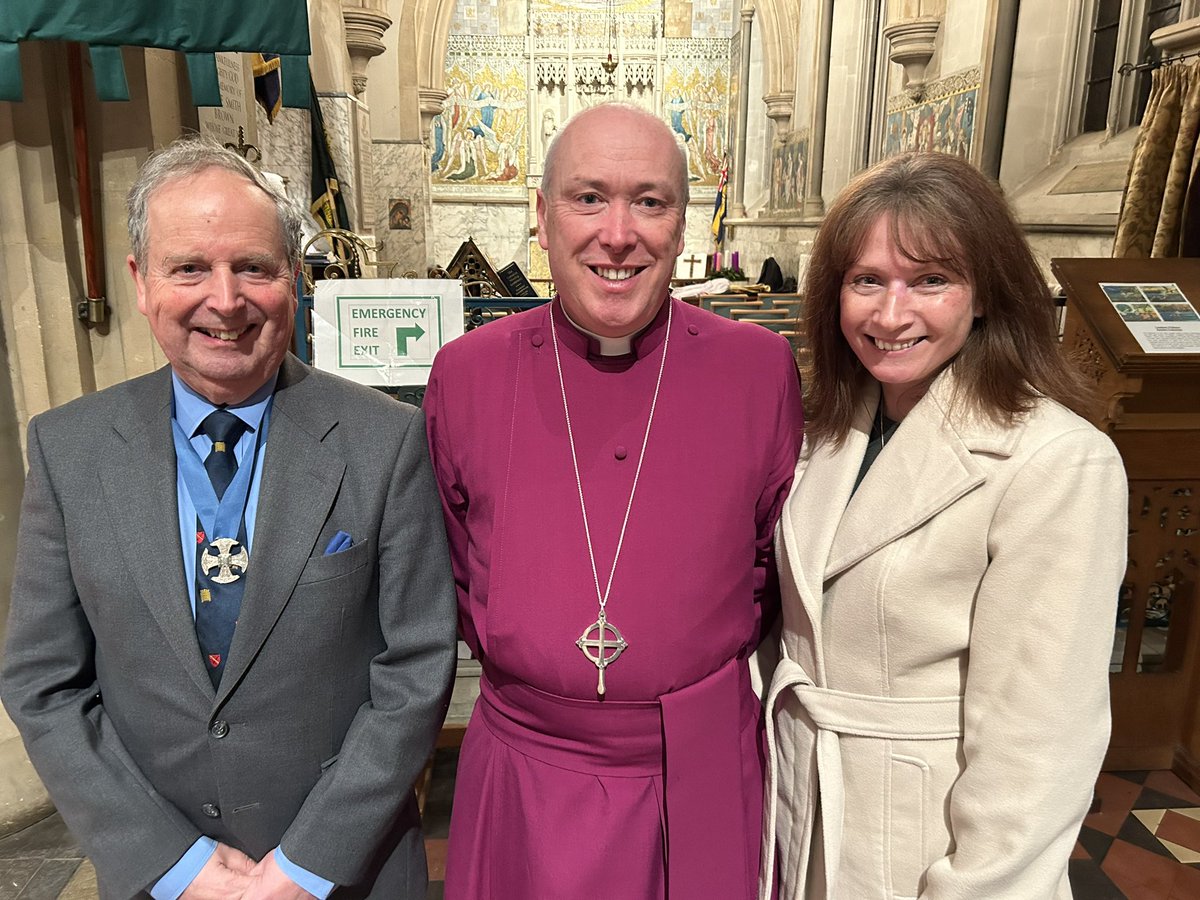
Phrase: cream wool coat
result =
(941, 709)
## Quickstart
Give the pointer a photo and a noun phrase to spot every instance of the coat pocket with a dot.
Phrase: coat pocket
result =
(907, 851)
(335, 565)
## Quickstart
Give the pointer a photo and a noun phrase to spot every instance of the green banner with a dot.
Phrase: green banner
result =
(196, 27)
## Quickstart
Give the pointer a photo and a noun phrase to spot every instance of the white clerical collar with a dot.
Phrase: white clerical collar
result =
(609, 346)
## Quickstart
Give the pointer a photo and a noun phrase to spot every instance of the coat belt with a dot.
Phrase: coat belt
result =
(691, 738)
(832, 714)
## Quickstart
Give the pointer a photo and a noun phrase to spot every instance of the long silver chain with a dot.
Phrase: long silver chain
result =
(602, 597)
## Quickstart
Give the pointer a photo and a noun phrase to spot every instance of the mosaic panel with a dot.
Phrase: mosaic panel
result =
(696, 103)
(479, 138)
(944, 120)
(714, 18)
(477, 17)
(789, 172)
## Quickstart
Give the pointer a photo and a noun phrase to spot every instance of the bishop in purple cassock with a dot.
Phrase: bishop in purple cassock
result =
(615, 747)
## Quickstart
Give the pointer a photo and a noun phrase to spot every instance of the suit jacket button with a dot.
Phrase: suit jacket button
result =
(219, 729)
(211, 810)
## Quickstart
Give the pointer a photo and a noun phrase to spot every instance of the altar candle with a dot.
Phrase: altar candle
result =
(734, 265)
(717, 261)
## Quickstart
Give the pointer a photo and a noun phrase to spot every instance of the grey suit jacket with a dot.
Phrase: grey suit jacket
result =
(340, 667)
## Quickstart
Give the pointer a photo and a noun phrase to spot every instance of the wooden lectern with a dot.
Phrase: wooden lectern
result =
(1133, 328)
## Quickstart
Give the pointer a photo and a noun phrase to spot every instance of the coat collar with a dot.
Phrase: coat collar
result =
(928, 465)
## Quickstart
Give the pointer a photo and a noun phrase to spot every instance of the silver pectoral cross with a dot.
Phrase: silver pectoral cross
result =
(597, 649)
(218, 554)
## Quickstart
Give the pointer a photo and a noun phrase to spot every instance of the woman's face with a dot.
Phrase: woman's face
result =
(905, 320)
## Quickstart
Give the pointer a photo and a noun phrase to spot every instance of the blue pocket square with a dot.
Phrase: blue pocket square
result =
(339, 542)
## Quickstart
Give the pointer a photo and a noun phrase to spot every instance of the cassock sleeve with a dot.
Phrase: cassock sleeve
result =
(453, 494)
(782, 453)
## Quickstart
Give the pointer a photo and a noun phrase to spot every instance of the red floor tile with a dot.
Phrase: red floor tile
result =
(1079, 852)
(435, 858)
(1179, 830)
(1117, 797)
(1140, 874)
(1169, 783)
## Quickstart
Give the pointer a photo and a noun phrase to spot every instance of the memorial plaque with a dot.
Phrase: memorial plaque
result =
(221, 123)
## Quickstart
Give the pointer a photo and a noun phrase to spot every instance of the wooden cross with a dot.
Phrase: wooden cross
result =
(692, 261)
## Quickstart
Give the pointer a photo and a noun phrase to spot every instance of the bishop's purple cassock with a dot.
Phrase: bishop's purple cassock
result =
(654, 791)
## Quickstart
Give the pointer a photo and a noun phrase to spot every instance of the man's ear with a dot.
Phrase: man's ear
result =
(139, 283)
(541, 217)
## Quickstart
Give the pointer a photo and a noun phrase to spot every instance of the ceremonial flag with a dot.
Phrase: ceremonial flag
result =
(718, 219)
(267, 88)
(328, 207)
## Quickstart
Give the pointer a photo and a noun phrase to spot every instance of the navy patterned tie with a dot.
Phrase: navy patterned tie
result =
(218, 605)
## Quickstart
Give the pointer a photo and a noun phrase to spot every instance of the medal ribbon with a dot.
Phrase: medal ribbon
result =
(218, 518)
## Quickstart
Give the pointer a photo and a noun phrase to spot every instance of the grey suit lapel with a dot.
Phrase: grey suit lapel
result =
(301, 477)
(138, 480)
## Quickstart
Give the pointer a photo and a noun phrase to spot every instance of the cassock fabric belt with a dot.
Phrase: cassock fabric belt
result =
(832, 714)
(690, 737)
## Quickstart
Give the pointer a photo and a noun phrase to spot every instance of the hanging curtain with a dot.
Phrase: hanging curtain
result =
(1157, 217)
(197, 28)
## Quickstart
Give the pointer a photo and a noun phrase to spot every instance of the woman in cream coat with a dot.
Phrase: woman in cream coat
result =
(950, 559)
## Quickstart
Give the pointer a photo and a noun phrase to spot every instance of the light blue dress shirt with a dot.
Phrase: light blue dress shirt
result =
(189, 410)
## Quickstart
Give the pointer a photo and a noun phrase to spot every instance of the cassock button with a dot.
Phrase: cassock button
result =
(692, 329)
(620, 453)
(211, 810)
(537, 340)
(219, 729)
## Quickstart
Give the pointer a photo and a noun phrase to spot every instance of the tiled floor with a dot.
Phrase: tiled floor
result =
(1143, 843)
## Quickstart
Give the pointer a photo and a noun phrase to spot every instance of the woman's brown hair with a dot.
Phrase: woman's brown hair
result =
(940, 209)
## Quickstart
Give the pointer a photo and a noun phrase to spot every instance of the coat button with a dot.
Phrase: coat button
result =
(211, 810)
(692, 329)
(219, 729)
(537, 340)
(620, 453)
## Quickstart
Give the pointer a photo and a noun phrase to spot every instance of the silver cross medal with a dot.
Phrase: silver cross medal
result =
(225, 560)
(601, 644)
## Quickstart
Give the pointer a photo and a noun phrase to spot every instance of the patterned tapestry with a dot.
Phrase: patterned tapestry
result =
(517, 69)
(480, 137)
(944, 120)
(789, 172)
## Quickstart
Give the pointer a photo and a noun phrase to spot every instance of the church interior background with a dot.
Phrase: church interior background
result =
(439, 113)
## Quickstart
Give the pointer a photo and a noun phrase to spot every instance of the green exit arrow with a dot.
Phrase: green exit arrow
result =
(416, 332)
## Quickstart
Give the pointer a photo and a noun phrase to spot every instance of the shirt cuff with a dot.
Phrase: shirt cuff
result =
(184, 872)
(314, 884)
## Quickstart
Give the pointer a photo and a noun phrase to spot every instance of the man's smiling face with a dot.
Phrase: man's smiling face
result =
(216, 287)
(612, 220)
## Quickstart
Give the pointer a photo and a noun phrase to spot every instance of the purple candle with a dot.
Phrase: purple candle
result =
(735, 259)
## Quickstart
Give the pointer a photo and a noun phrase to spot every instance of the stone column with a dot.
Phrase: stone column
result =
(814, 203)
(738, 206)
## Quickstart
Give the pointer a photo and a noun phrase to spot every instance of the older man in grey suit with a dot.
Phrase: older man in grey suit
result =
(232, 626)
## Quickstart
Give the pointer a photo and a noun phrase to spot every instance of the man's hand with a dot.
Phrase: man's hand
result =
(227, 874)
(267, 882)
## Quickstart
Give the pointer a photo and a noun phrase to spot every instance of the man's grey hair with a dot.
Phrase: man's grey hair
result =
(550, 164)
(190, 156)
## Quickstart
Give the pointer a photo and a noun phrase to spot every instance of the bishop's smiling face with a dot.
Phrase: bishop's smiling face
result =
(612, 220)
(905, 320)
(217, 288)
